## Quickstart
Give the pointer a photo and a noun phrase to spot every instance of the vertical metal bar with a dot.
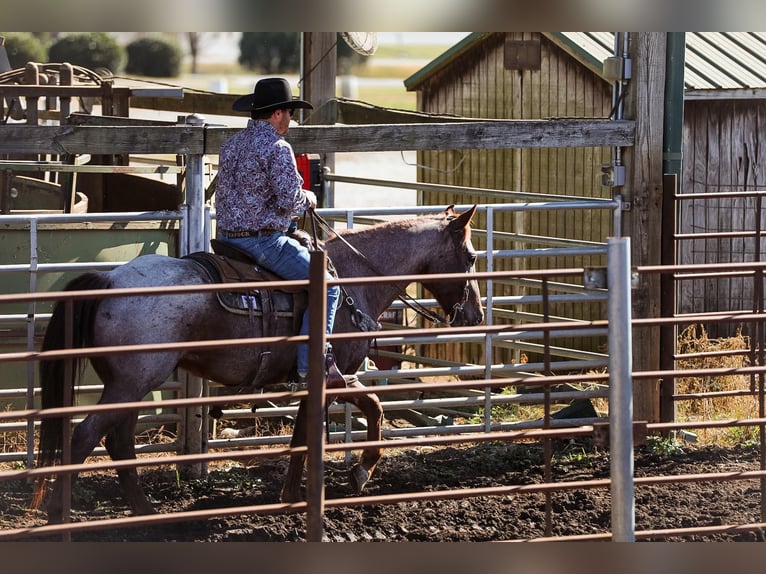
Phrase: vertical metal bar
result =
(349, 430)
(33, 260)
(547, 447)
(488, 316)
(183, 231)
(195, 192)
(207, 227)
(620, 389)
(617, 219)
(316, 399)
(328, 188)
(194, 418)
(668, 332)
(66, 420)
(759, 334)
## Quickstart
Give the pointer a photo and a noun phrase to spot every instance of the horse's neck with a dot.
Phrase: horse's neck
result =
(382, 254)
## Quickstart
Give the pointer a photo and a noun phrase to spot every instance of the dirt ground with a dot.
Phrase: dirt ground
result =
(519, 516)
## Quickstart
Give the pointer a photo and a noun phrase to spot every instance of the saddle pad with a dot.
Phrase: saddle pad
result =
(247, 301)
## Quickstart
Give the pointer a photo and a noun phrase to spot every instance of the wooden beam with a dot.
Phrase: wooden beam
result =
(501, 134)
(52, 91)
(103, 140)
(462, 135)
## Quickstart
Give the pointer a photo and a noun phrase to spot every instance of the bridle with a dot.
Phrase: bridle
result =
(403, 296)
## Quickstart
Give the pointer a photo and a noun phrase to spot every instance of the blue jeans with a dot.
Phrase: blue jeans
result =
(290, 260)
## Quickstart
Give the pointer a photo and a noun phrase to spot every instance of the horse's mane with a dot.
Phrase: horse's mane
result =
(392, 226)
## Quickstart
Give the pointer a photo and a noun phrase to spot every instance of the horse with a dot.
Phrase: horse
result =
(422, 245)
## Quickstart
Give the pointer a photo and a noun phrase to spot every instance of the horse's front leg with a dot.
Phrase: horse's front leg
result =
(370, 406)
(291, 490)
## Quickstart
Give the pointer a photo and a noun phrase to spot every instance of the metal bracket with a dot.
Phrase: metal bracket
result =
(617, 69)
(613, 175)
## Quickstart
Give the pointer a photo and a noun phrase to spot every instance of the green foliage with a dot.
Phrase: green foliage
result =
(270, 52)
(572, 456)
(279, 52)
(92, 50)
(155, 57)
(744, 437)
(662, 446)
(23, 47)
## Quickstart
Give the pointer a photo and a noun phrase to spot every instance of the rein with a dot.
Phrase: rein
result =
(403, 296)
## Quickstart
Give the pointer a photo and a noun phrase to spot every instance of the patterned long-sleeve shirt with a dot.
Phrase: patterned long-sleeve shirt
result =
(259, 186)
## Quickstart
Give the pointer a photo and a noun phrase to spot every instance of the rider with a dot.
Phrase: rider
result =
(259, 188)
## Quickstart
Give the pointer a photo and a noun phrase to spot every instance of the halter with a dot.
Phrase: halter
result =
(403, 296)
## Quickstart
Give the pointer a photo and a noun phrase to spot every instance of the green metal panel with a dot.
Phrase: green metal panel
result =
(65, 243)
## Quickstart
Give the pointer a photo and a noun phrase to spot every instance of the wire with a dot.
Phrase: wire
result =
(314, 67)
(435, 169)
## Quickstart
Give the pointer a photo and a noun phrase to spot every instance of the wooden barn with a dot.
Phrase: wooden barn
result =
(531, 75)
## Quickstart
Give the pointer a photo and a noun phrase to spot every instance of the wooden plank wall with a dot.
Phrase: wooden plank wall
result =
(724, 151)
(481, 86)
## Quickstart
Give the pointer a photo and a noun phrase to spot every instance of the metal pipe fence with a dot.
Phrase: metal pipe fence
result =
(591, 372)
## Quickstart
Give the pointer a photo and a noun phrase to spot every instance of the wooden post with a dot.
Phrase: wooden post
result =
(644, 103)
(318, 76)
(32, 78)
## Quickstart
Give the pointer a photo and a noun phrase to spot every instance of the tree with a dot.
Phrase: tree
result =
(157, 57)
(91, 50)
(23, 47)
(270, 52)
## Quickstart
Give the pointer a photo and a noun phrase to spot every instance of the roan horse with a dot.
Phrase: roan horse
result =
(418, 246)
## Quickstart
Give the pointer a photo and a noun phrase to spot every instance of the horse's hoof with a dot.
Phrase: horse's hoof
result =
(359, 478)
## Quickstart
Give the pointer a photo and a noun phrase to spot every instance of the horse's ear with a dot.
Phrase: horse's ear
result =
(463, 220)
(450, 211)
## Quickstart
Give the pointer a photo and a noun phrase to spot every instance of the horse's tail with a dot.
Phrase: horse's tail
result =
(53, 372)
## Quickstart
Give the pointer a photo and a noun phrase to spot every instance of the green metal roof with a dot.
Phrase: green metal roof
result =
(718, 64)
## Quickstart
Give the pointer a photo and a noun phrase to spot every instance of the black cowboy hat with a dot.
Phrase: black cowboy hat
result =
(269, 94)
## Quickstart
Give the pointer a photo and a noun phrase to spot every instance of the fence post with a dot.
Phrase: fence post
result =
(316, 399)
(194, 419)
(620, 389)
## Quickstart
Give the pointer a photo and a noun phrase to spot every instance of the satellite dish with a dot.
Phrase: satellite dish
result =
(364, 43)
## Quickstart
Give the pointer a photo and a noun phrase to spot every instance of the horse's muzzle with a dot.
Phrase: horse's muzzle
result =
(468, 317)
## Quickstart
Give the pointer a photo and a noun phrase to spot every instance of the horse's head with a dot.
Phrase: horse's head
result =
(460, 300)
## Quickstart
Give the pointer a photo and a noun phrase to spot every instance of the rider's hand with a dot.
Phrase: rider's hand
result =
(312, 198)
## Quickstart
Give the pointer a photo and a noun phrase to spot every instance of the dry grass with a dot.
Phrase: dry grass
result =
(695, 341)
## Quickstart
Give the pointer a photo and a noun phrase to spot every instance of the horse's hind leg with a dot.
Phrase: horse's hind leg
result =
(370, 406)
(85, 438)
(291, 490)
(120, 444)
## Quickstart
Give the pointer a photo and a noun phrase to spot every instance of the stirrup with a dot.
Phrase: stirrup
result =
(300, 385)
